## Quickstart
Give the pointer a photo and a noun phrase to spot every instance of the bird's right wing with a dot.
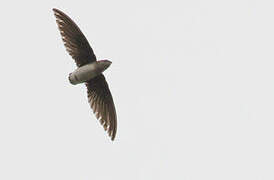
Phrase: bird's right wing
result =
(74, 40)
(100, 99)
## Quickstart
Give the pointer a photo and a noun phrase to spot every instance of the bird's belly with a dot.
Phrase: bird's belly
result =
(84, 73)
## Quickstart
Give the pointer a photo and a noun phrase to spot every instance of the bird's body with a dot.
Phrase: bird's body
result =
(89, 71)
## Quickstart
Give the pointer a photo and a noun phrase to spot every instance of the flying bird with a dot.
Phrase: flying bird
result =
(89, 71)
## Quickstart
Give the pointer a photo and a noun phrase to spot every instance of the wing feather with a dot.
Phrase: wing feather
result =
(74, 40)
(101, 102)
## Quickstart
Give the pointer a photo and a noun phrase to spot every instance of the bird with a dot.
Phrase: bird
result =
(89, 71)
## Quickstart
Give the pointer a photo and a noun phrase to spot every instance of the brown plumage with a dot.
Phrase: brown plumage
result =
(99, 95)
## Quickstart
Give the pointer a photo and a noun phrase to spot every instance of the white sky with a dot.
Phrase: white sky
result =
(193, 84)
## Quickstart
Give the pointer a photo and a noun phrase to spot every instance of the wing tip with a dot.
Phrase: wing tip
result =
(58, 12)
(113, 136)
(55, 10)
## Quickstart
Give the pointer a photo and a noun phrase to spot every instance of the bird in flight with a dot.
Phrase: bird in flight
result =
(89, 71)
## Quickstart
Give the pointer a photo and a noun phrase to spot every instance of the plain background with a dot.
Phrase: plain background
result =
(193, 84)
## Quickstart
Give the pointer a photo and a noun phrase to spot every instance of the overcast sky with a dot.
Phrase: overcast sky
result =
(192, 81)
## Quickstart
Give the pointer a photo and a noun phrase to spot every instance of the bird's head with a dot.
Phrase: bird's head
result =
(104, 64)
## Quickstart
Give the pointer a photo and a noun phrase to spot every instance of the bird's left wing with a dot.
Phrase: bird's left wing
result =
(74, 40)
(100, 99)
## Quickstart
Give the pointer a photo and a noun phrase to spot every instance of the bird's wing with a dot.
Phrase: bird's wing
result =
(74, 40)
(100, 99)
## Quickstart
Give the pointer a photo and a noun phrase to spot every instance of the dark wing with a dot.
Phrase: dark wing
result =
(101, 102)
(74, 40)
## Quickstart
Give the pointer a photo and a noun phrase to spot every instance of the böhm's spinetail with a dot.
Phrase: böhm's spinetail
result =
(89, 71)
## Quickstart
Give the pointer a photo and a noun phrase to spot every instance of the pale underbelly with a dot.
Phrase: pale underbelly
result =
(84, 73)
